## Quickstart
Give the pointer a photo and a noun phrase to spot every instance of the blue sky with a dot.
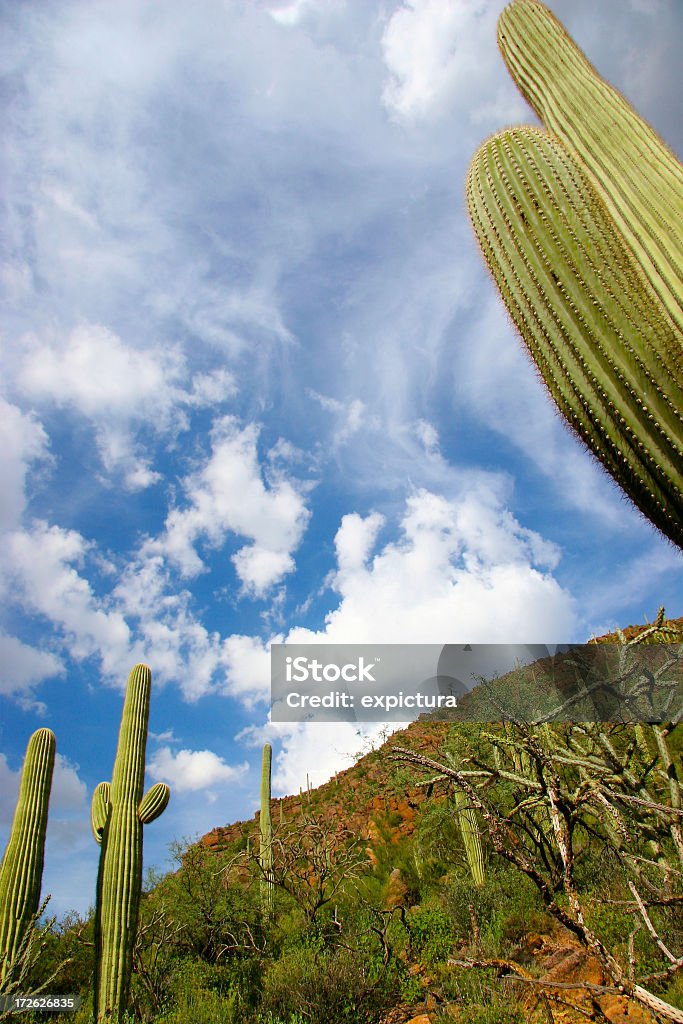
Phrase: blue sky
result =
(256, 384)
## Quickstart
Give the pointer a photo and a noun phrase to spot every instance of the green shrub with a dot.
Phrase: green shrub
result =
(432, 933)
(327, 984)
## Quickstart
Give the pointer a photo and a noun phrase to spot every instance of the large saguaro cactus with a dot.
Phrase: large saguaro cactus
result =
(581, 227)
(266, 826)
(119, 812)
(22, 864)
(636, 174)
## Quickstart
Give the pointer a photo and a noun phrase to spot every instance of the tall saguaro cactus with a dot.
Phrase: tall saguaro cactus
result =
(582, 228)
(22, 864)
(119, 812)
(266, 826)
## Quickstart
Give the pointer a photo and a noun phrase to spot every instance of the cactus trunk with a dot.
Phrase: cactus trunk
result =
(22, 864)
(266, 845)
(119, 812)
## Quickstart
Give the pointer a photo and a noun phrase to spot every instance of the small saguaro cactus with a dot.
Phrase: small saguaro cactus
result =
(570, 223)
(266, 844)
(471, 837)
(119, 812)
(22, 864)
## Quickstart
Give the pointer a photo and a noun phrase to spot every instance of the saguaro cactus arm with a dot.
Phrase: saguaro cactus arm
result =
(119, 812)
(154, 802)
(99, 809)
(21, 871)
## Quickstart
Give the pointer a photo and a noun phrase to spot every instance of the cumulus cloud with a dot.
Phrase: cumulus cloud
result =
(461, 569)
(192, 770)
(43, 564)
(96, 373)
(69, 793)
(119, 388)
(440, 55)
(169, 634)
(319, 751)
(247, 661)
(24, 666)
(22, 441)
(229, 494)
(355, 539)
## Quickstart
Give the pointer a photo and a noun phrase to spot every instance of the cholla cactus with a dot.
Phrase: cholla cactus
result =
(119, 812)
(22, 865)
(570, 224)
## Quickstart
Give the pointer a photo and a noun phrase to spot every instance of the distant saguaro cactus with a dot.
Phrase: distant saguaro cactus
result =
(582, 228)
(266, 844)
(119, 812)
(22, 864)
(469, 830)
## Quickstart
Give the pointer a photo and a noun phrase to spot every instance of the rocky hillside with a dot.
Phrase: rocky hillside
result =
(373, 795)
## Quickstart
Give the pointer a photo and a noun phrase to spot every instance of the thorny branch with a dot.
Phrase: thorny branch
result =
(574, 771)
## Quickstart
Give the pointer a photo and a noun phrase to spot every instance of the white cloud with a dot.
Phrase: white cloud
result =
(317, 750)
(22, 441)
(41, 563)
(355, 539)
(24, 666)
(247, 661)
(291, 14)
(97, 374)
(462, 569)
(229, 495)
(119, 388)
(442, 56)
(170, 636)
(350, 417)
(191, 770)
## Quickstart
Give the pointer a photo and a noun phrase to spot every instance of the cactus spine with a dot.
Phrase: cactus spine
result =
(266, 825)
(119, 812)
(593, 318)
(471, 838)
(22, 864)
